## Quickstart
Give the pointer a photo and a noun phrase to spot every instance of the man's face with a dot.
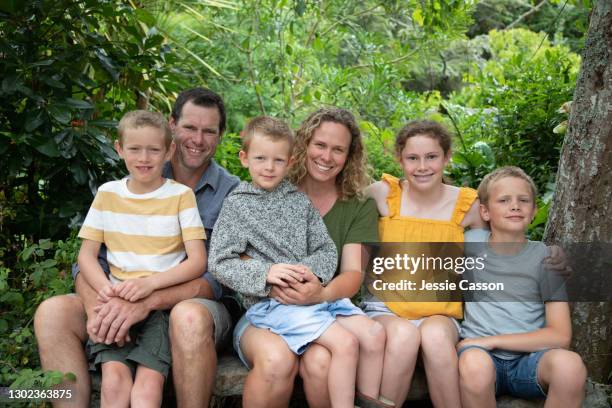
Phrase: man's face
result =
(196, 135)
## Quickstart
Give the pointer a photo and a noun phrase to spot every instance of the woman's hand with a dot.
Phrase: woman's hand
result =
(308, 292)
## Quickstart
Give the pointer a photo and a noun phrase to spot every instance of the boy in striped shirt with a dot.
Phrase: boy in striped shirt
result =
(154, 236)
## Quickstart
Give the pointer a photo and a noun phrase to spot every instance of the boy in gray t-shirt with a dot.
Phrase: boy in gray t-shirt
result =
(515, 342)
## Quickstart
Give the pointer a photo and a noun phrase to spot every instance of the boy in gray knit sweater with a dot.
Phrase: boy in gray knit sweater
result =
(284, 237)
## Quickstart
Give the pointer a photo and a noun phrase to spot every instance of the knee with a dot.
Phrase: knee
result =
(191, 324)
(147, 390)
(374, 340)
(566, 370)
(436, 339)
(476, 371)
(402, 337)
(58, 315)
(349, 347)
(314, 365)
(116, 381)
(276, 366)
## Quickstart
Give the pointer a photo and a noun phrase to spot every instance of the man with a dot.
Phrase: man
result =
(197, 323)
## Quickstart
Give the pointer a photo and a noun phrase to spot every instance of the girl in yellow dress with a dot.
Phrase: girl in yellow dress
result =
(421, 208)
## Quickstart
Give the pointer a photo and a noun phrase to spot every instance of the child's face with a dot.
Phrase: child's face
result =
(267, 160)
(144, 152)
(511, 206)
(423, 162)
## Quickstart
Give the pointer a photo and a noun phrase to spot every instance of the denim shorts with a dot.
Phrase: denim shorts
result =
(517, 377)
(297, 325)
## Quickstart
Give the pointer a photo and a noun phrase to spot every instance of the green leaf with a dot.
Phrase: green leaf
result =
(77, 103)
(104, 123)
(144, 16)
(417, 17)
(12, 298)
(59, 113)
(34, 119)
(3, 326)
(48, 148)
(43, 63)
(54, 83)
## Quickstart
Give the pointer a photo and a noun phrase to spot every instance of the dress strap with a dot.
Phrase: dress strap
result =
(395, 194)
(466, 198)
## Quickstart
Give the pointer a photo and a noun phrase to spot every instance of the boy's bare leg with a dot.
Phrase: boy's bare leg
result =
(148, 388)
(314, 370)
(116, 385)
(401, 352)
(344, 348)
(438, 339)
(371, 336)
(60, 327)
(477, 379)
(194, 358)
(270, 381)
(564, 374)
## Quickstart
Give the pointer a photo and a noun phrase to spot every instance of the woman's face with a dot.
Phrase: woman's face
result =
(327, 151)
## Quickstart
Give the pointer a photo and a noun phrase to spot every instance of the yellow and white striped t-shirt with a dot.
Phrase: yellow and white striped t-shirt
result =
(144, 233)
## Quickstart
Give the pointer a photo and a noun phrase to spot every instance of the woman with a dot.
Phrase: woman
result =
(329, 167)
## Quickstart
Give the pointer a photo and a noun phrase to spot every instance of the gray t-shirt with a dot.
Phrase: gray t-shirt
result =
(520, 307)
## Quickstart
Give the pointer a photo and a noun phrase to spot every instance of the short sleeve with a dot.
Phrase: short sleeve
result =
(93, 226)
(466, 198)
(552, 284)
(364, 226)
(189, 217)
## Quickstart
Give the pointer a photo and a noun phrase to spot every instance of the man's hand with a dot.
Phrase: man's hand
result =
(113, 320)
(304, 293)
(134, 289)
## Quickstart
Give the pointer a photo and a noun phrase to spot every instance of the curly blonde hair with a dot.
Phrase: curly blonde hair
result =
(353, 178)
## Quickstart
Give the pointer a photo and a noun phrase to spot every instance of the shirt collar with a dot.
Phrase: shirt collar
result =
(210, 176)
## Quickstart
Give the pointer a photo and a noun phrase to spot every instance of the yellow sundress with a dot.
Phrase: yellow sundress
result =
(398, 228)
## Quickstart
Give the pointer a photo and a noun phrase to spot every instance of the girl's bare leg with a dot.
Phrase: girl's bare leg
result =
(344, 348)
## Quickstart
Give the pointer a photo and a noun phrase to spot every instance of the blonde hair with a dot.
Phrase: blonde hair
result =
(500, 173)
(273, 128)
(141, 118)
(353, 178)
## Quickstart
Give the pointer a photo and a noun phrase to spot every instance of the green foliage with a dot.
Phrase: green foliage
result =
(69, 70)
(512, 103)
(41, 270)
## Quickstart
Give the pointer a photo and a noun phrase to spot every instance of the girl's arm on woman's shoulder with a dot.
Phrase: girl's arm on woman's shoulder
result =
(472, 217)
(379, 192)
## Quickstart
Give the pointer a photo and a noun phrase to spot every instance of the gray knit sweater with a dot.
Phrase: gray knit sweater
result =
(278, 226)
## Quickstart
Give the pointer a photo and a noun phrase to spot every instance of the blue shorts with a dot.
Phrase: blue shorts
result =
(297, 325)
(517, 377)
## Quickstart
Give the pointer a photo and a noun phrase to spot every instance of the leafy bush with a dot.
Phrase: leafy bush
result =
(41, 270)
(69, 70)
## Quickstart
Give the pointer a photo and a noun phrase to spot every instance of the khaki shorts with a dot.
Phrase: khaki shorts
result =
(150, 346)
(222, 332)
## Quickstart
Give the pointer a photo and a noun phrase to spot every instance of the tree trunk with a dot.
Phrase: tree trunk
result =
(581, 208)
